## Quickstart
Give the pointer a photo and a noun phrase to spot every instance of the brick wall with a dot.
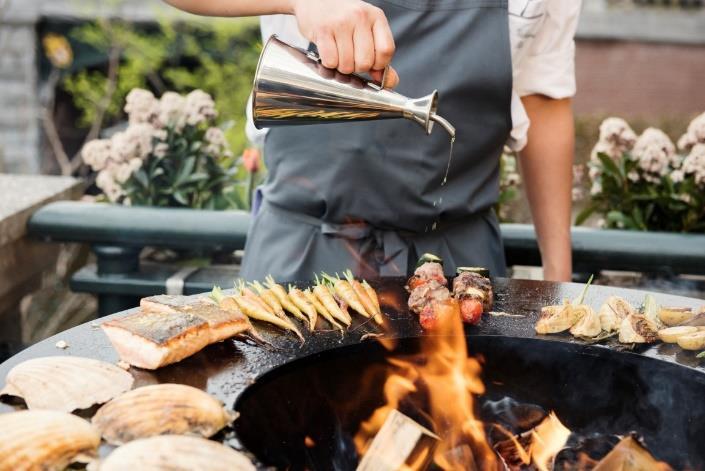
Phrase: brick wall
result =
(640, 79)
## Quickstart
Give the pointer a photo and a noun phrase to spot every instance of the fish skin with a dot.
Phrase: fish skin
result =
(150, 340)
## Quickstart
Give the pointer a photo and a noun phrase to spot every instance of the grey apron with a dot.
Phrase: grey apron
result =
(368, 196)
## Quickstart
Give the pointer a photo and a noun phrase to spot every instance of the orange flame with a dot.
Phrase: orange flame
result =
(443, 379)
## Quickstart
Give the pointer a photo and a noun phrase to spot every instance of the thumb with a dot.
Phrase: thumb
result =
(392, 79)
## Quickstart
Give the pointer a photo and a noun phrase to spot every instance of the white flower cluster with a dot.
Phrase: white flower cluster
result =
(694, 135)
(117, 158)
(616, 138)
(655, 153)
(694, 164)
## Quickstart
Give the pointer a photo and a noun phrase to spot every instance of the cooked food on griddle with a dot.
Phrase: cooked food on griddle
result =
(673, 316)
(45, 440)
(366, 295)
(588, 325)
(694, 341)
(474, 292)
(613, 312)
(153, 339)
(672, 334)
(427, 271)
(283, 298)
(321, 309)
(423, 300)
(298, 299)
(344, 290)
(65, 384)
(160, 410)
(337, 309)
(556, 319)
(636, 328)
(176, 452)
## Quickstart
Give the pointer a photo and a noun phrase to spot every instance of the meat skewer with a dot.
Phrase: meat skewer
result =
(474, 292)
(345, 291)
(364, 296)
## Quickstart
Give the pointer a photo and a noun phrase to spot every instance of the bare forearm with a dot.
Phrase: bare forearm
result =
(546, 164)
(234, 7)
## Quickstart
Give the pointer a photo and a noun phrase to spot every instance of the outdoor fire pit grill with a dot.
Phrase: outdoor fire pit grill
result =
(295, 401)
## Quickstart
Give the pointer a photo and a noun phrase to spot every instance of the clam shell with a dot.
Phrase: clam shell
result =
(175, 452)
(44, 440)
(65, 383)
(161, 409)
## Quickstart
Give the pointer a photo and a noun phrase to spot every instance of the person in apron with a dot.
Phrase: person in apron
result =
(373, 197)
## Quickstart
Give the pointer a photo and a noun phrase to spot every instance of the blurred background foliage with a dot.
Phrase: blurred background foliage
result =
(218, 57)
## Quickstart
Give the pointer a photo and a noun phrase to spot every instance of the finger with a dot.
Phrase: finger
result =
(346, 51)
(364, 52)
(327, 50)
(390, 81)
(384, 42)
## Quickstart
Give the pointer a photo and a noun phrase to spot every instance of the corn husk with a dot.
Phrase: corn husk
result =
(65, 383)
(172, 452)
(45, 440)
(160, 410)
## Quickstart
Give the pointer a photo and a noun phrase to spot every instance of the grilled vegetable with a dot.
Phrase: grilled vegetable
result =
(671, 334)
(45, 440)
(321, 309)
(635, 328)
(555, 319)
(471, 310)
(694, 341)
(651, 312)
(326, 298)
(613, 312)
(65, 383)
(364, 296)
(254, 300)
(589, 323)
(176, 452)
(160, 409)
(672, 316)
(284, 299)
(345, 291)
(375, 300)
(479, 270)
(271, 299)
(429, 258)
(299, 300)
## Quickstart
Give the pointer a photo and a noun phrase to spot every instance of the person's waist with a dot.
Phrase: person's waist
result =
(358, 227)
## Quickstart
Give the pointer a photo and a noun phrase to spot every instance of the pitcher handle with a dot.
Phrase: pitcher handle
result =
(380, 85)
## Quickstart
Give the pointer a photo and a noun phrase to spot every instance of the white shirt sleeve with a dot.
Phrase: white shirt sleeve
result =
(547, 67)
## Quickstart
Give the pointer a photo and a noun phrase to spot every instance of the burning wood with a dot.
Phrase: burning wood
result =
(401, 443)
(629, 455)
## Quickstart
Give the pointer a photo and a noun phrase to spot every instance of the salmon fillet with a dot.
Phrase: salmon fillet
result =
(223, 323)
(154, 339)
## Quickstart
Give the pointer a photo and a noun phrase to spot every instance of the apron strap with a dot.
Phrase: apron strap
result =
(394, 250)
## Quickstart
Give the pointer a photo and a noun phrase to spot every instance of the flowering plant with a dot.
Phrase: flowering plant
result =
(645, 182)
(171, 154)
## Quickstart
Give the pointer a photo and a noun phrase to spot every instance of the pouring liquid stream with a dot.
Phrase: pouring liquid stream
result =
(450, 129)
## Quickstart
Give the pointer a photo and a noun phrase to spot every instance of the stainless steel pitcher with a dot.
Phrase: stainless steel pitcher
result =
(292, 87)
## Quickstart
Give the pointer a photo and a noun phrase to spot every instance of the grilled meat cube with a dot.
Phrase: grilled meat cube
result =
(425, 273)
(153, 339)
(423, 299)
(469, 285)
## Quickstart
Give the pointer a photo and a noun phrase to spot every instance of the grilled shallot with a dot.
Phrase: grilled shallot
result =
(589, 324)
(555, 319)
(160, 410)
(65, 383)
(176, 452)
(635, 328)
(45, 440)
(613, 312)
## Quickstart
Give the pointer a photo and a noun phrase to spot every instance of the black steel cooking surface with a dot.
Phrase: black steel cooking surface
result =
(656, 391)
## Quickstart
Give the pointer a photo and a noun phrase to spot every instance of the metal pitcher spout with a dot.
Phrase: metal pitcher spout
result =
(291, 87)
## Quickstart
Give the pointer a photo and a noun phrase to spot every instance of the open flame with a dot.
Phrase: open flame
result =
(439, 384)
